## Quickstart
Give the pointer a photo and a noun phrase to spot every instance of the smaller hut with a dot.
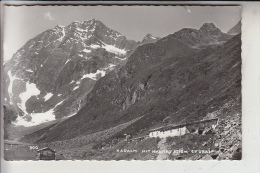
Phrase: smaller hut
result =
(46, 154)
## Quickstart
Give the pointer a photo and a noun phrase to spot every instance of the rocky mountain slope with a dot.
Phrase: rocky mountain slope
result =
(236, 29)
(9, 117)
(186, 75)
(50, 76)
(208, 34)
(150, 39)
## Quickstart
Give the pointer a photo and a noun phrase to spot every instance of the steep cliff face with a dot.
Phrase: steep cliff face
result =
(176, 76)
(50, 76)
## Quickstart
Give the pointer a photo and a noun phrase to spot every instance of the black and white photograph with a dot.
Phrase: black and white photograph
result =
(122, 83)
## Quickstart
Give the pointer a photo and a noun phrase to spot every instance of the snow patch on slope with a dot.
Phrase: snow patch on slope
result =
(31, 90)
(120, 58)
(29, 70)
(82, 30)
(10, 87)
(31, 45)
(94, 46)
(67, 61)
(110, 67)
(93, 76)
(109, 48)
(37, 118)
(114, 49)
(75, 88)
(86, 50)
(63, 34)
(48, 96)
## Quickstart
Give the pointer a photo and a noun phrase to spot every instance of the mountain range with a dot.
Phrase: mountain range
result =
(93, 79)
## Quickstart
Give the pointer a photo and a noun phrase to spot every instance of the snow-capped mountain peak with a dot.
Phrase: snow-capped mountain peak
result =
(87, 50)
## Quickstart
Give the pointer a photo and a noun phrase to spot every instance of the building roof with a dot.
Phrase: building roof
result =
(168, 127)
(45, 148)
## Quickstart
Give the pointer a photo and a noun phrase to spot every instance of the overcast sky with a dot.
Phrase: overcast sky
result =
(24, 23)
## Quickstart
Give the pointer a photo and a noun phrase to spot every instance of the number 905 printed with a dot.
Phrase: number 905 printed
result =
(33, 147)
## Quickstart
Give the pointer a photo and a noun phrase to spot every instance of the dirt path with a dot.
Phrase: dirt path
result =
(162, 146)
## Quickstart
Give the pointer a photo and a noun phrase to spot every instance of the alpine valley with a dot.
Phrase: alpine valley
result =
(81, 89)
